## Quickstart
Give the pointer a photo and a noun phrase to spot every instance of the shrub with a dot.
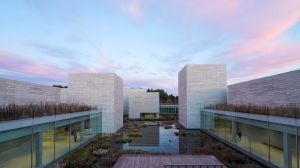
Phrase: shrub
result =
(104, 145)
(135, 134)
(100, 152)
(81, 158)
(124, 140)
(135, 130)
(102, 142)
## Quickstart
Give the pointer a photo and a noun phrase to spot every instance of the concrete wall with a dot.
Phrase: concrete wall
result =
(21, 93)
(137, 101)
(104, 90)
(182, 97)
(127, 92)
(118, 102)
(276, 90)
(199, 86)
(64, 95)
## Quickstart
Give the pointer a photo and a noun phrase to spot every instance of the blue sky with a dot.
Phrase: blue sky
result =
(147, 42)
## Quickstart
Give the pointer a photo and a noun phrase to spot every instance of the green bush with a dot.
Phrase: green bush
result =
(124, 140)
(102, 142)
(104, 145)
(135, 134)
(81, 158)
(135, 130)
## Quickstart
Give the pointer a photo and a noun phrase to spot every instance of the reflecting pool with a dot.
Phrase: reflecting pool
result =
(170, 138)
(155, 138)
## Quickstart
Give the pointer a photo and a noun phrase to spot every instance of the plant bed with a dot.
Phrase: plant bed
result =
(80, 158)
(135, 134)
(102, 142)
(292, 110)
(134, 130)
(100, 152)
(123, 140)
(142, 126)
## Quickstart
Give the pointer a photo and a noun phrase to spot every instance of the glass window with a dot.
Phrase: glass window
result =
(86, 131)
(75, 135)
(43, 143)
(276, 148)
(292, 149)
(298, 147)
(221, 126)
(259, 141)
(62, 138)
(242, 137)
(15, 148)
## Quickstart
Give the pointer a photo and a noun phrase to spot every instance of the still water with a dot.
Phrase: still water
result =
(155, 138)
(161, 137)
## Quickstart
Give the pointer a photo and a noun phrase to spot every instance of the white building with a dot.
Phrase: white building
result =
(104, 90)
(18, 92)
(138, 102)
(199, 86)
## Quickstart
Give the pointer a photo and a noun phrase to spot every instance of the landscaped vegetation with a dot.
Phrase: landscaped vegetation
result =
(103, 152)
(292, 110)
(168, 117)
(15, 112)
(123, 140)
(86, 156)
(135, 134)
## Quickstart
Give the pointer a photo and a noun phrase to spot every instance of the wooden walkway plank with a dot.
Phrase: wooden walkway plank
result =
(158, 161)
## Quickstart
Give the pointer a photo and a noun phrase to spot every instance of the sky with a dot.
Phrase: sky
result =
(147, 42)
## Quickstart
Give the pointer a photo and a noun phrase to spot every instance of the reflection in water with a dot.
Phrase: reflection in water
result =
(155, 138)
(150, 137)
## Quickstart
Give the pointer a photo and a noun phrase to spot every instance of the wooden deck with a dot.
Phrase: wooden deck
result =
(159, 161)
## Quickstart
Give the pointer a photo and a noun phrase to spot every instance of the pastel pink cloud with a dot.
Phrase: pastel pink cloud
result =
(16, 63)
(134, 8)
(281, 57)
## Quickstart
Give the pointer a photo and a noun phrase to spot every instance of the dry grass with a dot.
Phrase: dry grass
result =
(292, 111)
(15, 112)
